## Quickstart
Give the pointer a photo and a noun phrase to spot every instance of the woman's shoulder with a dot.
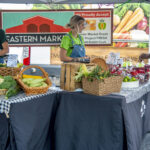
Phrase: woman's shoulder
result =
(66, 37)
(80, 36)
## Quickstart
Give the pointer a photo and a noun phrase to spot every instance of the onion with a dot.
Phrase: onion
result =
(142, 24)
(116, 20)
(144, 19)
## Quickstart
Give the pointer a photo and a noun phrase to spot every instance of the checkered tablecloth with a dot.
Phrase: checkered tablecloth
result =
(130, 95)
(21, 97)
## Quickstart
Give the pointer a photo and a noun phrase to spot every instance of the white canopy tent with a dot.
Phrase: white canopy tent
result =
(73, 1)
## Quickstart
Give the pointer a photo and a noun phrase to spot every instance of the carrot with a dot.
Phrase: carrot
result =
(135, 19)
(124, 35)
(123, 21)
(121, 44)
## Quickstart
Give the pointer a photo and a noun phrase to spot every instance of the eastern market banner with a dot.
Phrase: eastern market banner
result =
(30, 27)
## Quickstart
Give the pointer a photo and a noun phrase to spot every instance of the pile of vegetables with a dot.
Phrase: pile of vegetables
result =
(35, 82)
(129, 79)
(82, 72)
(128, 17)
(9, 83)
(91, 73)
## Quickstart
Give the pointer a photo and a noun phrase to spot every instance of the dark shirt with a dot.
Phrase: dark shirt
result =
(2, 38)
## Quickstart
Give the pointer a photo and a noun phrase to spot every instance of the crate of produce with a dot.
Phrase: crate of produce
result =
(98, 81)
(107, 86)
(67, 76)
(9, 71)
(34, 86)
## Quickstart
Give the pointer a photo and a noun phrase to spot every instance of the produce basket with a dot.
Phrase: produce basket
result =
(3, 91)
(9, 71)
(100, 62)
(108, 86)
(34, 90)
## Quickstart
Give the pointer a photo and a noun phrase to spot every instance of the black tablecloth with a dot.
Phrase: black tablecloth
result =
(4, 131)
(77, 121)
(87, 122)
(133, 114)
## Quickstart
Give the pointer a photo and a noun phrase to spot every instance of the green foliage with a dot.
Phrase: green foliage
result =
(142, 45)
(121, 9)
(8, 78)
(12, 91)
(3, 65)
(8, 82)
(5, 85)
(96, 73)
(146, 8)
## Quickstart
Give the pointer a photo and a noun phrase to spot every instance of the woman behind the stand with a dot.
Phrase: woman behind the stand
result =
(4, 48)
(72, 44)
(144, 56)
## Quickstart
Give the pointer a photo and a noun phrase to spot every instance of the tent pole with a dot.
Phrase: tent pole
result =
(149, 41)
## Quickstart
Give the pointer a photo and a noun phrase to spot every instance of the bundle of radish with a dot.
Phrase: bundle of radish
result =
(142, 24)
(128, 22)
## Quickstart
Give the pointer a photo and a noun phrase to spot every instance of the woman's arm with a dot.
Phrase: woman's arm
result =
(63, 55)
(5, 49)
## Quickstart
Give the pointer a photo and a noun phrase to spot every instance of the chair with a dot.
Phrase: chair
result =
(146, 142)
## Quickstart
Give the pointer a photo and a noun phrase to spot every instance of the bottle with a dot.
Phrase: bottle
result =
(26, 55)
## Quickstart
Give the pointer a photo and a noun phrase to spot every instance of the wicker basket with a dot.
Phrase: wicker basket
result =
(3, 91)
(9, 71)
(34, 90)
(108, 86)
(100, 62)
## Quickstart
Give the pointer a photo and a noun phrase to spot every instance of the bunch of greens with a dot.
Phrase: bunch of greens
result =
(142, 45)
(121, 9)
(9, 83)
(95, 72)
(99, 74)
(146, 9)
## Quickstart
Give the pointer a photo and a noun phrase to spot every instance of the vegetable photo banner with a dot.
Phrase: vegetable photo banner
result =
(47, 28)
(131, 22)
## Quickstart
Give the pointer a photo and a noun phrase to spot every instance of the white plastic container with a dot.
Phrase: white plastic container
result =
(133, 84)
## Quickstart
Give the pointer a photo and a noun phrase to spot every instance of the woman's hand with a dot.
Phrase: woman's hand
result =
(86, 57)
(144, 56)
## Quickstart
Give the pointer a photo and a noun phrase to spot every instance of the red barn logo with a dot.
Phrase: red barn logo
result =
(37, 24)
